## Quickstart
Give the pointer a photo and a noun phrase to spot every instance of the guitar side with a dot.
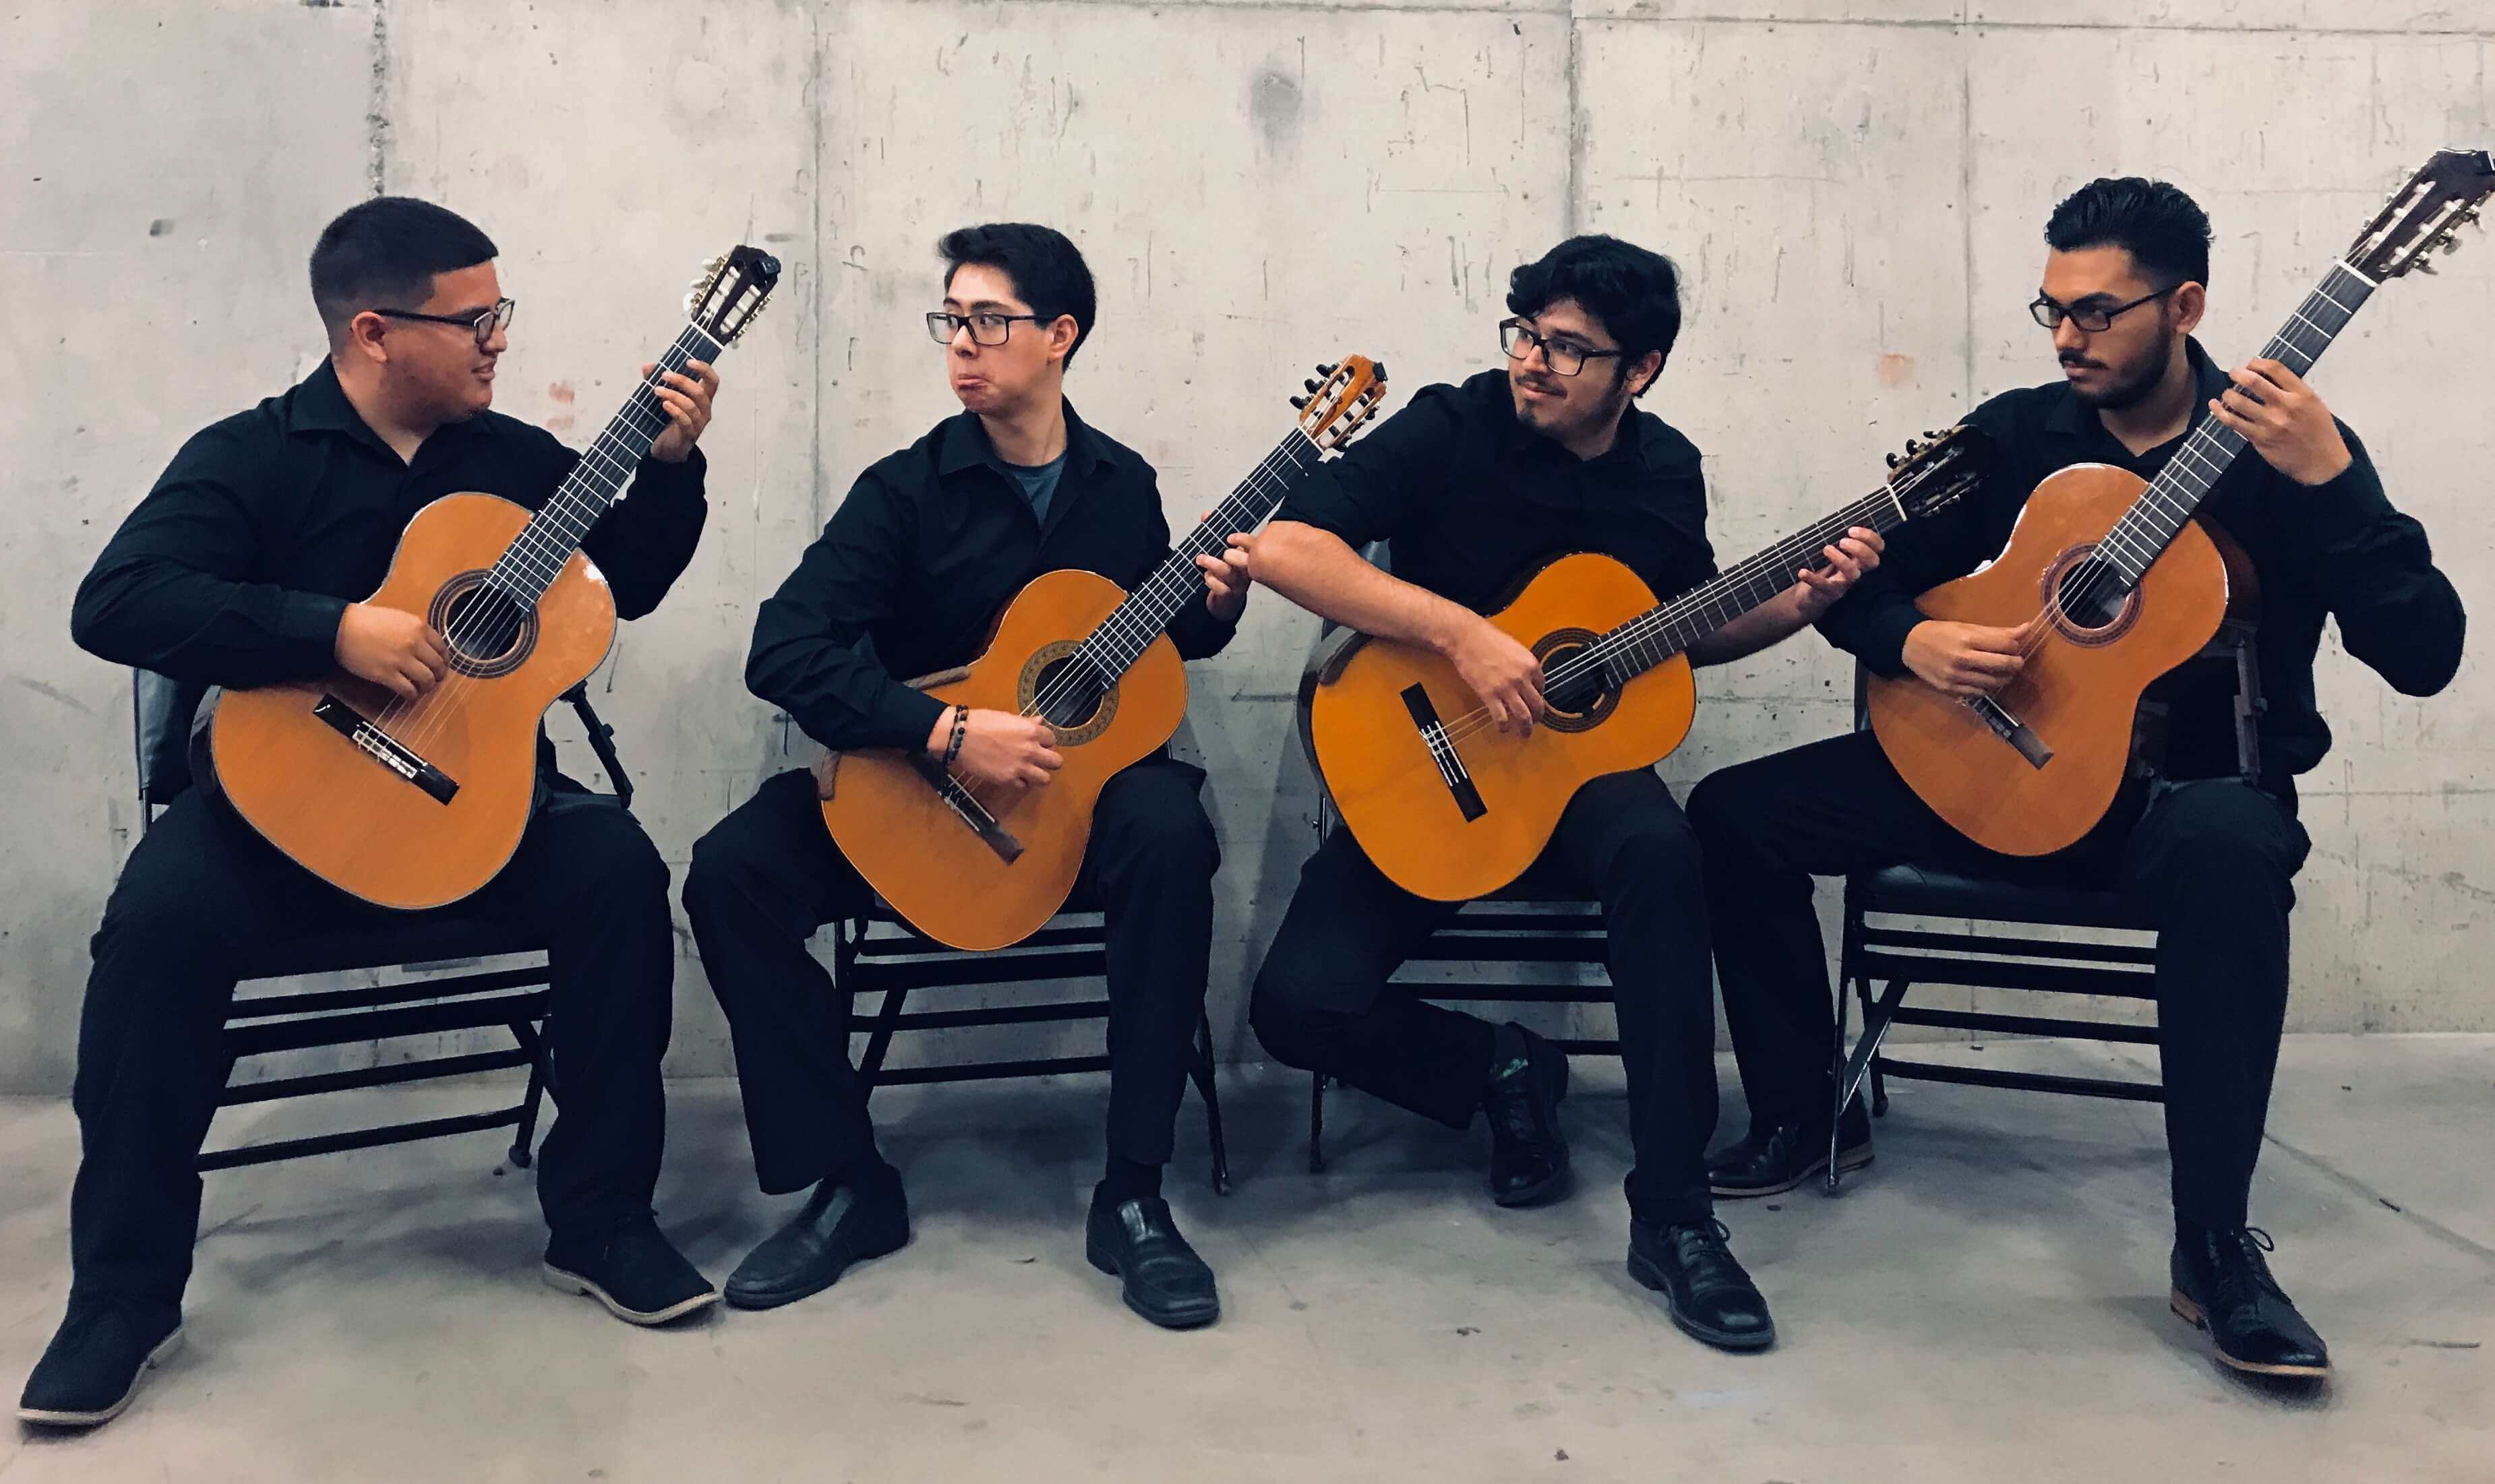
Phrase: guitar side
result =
(919, 855)
(337, 810)
(1393, 797)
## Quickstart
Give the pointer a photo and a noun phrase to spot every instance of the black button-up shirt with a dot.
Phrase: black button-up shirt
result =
(234, 569)
(2337, 549)
(929, 547)
(1472, 500)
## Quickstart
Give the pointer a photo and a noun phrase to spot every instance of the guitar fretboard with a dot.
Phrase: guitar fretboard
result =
(536, 557)
(1672, 626)
(2157, 517)
(1122, 637)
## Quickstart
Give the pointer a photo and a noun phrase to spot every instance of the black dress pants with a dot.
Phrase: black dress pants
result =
(203, 899)
(2212, 862)
(768, 875)
(1322, 1001)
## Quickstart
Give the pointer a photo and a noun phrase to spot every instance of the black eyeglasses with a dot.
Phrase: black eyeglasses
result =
(1564, 357)
(484, 326)
(2050, 314)
(987, 327)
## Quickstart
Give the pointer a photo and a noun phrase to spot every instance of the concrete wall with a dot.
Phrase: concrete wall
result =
(1856, 191)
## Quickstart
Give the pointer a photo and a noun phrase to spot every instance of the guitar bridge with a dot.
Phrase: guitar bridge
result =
(1442, 751)
(2007, 726)
(967, 807)
(383, 748)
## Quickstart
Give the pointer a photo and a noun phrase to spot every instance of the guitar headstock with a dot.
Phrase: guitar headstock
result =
(731, 291)
(1938, 468)
(2424, 213)
(1340, 398)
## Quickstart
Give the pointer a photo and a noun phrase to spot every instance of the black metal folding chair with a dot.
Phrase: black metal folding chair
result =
(437, 994)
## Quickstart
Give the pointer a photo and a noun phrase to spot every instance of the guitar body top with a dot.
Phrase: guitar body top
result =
(2078, 693)
(949, 881)
(336, 808)
(1456, 837)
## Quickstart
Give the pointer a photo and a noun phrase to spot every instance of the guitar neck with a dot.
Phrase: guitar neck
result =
(1130, 628)
(536, 556)
(2157, 517)
(1670, 627)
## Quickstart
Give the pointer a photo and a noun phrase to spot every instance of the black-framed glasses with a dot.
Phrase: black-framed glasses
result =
(2051, 313)
(987, 327)
(484, 325)
(1564, 357)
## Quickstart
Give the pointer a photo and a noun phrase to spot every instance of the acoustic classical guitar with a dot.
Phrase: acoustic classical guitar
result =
(2122, 583)
(417, 803)
(976, 867)
(1448, 805)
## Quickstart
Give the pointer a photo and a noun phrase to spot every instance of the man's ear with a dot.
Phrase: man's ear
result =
(2191, 301)
(1063, 333)
(1642, 375)
(364, 337)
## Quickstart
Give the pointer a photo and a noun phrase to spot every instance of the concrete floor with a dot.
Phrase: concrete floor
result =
(1987, 1303)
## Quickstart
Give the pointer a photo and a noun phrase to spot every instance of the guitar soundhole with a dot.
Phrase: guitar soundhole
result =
(1574, 684)
(2091, 603)
(1066, 692)
(490, 633)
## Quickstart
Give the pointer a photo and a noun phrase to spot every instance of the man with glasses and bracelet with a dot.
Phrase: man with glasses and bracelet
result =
(245, 566)
(1474, 486)
(928, 548)
(2210, 853)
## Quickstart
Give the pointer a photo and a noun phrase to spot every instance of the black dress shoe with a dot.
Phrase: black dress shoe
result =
(1774, 1157)
(1703, 1284)
(1529, 1154)
(840, 1226)
(2223, 1285)
(96, 1360)
(634, 1270)
(1160, 1275)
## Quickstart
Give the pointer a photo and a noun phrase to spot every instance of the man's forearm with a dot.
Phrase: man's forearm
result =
(1772, 623)
(1314, 569)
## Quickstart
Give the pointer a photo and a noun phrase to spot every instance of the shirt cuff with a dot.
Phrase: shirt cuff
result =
(904, 717)
(673, 481)
(2339, 509)
(1877, 638)
(307, 623)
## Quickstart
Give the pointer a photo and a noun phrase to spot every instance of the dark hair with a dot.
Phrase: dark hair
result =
(2164, 231)
(1048, 271)
(1635, 293)
(383, 254)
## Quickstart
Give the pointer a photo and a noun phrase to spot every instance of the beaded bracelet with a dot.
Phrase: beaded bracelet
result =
(961, 729)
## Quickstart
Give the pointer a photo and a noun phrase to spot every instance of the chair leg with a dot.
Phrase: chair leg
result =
(1836, 1082)
(1316, 1123)
(524, 1138)
(1879, 1083)
(1206, 1073)
(1876, 1020)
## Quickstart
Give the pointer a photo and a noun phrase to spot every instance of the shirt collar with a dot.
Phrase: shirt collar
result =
(967, 443)
(320, 406)
(1633, 449)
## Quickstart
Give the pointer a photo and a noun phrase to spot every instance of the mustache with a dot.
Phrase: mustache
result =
(2080, 360)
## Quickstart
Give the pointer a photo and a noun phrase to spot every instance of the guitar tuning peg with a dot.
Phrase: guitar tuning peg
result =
(2425, 265)
(1380, 367)
(1299, 402)
(1311, 384)
(1327, 368)
(1892, 461)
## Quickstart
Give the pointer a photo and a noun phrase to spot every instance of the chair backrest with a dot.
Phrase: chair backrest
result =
(161, 708)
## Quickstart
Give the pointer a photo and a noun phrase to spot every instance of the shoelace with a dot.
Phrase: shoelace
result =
(2241, 1265)
(1705, 1250)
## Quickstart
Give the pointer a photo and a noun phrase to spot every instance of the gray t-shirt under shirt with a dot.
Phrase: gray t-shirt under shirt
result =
(1039, 483)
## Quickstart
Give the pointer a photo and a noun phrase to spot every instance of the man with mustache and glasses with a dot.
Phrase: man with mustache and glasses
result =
(2213, 853)
(1474, 486)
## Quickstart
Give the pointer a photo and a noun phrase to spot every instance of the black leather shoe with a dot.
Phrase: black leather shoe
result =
(1160, 1275)
(1774, 1157)
(840, 1226)
(96, 1360)
(2223, 1285)
(634, 1270)
(1703, 1284)
(1529, 1154)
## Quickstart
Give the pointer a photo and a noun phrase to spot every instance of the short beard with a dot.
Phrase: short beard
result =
(2135, 384)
